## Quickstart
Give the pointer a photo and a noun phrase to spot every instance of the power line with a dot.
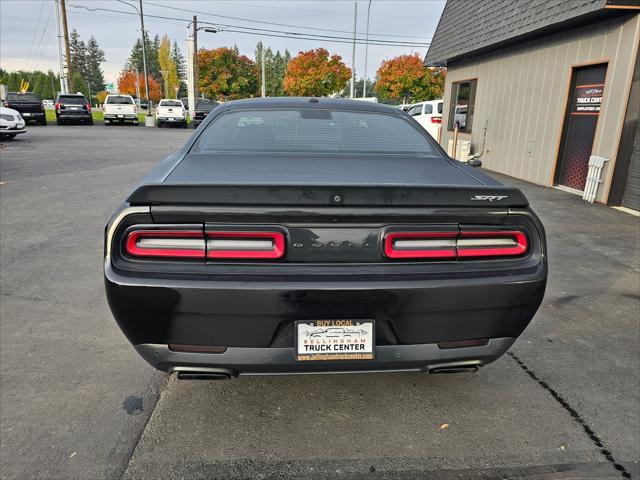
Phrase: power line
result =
(35, 34)
(272, 33)
(264, 22)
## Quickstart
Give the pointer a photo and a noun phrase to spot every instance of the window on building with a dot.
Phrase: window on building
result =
(463, 96)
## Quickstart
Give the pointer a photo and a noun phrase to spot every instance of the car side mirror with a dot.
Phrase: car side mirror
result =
(474, 162)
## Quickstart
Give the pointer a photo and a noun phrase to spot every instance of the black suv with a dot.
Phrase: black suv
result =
(28, 104)
(73, 107)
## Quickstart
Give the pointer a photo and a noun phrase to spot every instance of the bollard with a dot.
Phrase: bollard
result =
(149, 121)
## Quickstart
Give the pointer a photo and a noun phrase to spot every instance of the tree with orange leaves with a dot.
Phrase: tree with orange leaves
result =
(225, 74)
(316, 73)
(406, 78)
(127, 85)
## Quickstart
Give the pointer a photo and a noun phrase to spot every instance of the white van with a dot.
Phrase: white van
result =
(429, 115)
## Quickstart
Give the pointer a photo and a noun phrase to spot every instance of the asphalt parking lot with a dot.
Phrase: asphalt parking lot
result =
(76, 401)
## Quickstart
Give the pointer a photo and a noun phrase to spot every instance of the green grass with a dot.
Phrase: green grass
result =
(98, 116)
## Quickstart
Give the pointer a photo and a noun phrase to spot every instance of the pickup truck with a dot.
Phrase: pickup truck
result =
(171, 111)
(28, 105)
(120, 108)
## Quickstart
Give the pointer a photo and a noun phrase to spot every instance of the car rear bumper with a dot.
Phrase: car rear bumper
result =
(171, 119)
(80, 114)
(121, 117)
(32, 115)
(272, 361)
(258, 317)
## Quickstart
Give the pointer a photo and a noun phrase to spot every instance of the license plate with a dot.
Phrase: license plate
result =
(335, 340)
(26, 114)
(120, 116)
(75, 108)
(172, 119)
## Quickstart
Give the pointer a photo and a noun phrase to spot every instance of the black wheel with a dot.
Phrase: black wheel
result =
(10, 136)
(90, 122)
(43, 122)
(159, 124)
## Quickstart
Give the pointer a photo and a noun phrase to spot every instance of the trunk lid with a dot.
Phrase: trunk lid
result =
(363, 181)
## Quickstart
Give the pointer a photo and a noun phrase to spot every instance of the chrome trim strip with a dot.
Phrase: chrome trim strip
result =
(486, 242)
(121, 216)
(260, 245)
(424, 244)
(172, 243)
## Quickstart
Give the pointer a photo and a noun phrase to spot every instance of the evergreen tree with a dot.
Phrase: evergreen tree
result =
(275, 69)
(178, 59)
(78, 54)
(94, 57)
(135, 60)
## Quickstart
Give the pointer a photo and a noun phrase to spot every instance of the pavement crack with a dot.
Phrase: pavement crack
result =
(574, 414)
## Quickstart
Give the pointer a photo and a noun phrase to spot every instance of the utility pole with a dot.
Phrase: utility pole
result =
(366, 52)
(195, 57)
(353, 52)
(63, 83)
(144, 61)
(138, 87)
(66, 40)
(264, 83)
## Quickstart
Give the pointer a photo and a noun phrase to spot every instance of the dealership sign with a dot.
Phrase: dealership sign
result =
(588, 99)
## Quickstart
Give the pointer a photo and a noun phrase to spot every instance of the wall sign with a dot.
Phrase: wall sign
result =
(588, 99)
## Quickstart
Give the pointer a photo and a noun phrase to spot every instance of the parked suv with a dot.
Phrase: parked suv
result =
(29, 105)
(73, 107)
(120, 108)
(171, 111)
(428, 115)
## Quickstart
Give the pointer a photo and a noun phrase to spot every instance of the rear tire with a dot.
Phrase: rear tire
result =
(10, 136)
(43, 122)
(90, 122)
(159, 124)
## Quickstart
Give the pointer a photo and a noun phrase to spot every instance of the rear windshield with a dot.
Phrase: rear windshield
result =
(208, 104)
(312, 130)
(120, 100)
(170, 103)
(72, 99)
(23, 97)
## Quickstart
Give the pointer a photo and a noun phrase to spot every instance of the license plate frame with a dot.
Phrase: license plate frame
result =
(336, 340)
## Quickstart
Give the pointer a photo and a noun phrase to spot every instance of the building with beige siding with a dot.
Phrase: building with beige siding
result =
(547, 91)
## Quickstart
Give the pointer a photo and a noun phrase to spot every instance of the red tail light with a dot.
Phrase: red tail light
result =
(166, 243)
(185, 244)
(436, 119)
(245, 245)
(57, 105)
(89, 106)
(463, 244)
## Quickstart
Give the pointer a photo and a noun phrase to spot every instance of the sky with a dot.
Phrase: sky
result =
(28, 29)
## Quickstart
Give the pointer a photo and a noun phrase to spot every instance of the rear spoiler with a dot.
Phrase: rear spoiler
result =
(327, 195)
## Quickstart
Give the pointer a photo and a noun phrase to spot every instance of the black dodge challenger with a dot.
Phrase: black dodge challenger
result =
(304, 235)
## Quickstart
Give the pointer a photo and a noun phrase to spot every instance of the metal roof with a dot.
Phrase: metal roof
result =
(467, 27)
